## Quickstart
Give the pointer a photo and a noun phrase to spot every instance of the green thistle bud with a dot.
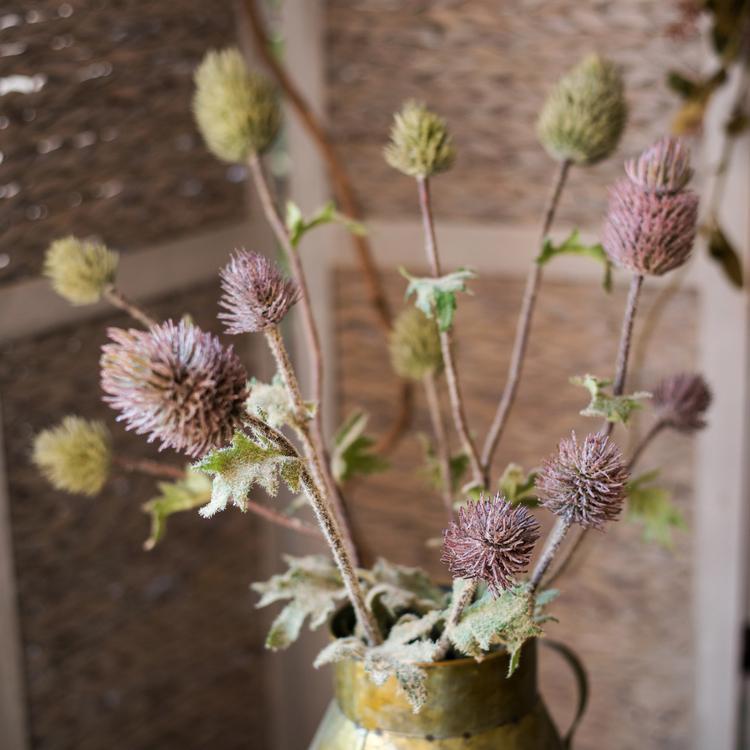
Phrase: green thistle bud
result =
(237, 111)
(583, 118)
(415, 345)
(74, 456)
(80, 270)
(420, 143)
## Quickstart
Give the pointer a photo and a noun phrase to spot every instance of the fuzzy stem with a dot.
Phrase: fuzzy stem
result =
(288, 522)
(552, 545)
(454, 617)
(313, 340)
(149, 468)
(653, 431)
(117, 299)
(446, 339)
(331, 531)
(442, 449)
(523, 331)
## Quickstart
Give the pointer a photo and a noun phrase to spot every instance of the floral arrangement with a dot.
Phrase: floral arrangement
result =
(186, 390)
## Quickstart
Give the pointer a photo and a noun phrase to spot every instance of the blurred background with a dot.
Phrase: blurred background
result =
(105, 645)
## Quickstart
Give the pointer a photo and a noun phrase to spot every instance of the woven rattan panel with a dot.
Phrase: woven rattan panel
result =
(628, 610)
(125, 649)
(487, 66)
(101, 139)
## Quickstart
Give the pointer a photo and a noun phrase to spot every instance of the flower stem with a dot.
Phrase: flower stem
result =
(288, 522)
(454, 617)
(117, 299)
(523, 331)
(442, 450)
(552, 545)
(149, 468)
(653, 431)
(446, 340)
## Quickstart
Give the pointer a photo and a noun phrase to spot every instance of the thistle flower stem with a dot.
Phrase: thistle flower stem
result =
(313, 341)
(523, 330)
(446, 339)
(551, 546)
(442, 449)
(150, 468)
(454, 617)
(331, 531)
(295, 524)
(653, 431)
(117, 299)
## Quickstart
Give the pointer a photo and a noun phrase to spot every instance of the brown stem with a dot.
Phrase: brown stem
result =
(288, 522)
(343, 191)
(150, 468)
(655, 429)
(454, 617)
(442, 449)
(523, 331)
(552, 545)
(446, 340)
(331, 531)
(116, 298)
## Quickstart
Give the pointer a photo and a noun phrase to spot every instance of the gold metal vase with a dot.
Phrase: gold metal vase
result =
(470, 706)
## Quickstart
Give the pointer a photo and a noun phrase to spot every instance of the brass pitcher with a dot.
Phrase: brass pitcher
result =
(470, 705)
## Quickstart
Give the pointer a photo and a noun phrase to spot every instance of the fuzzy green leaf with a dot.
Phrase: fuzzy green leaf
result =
(603, 404)
(722, 251)
(437, 297)
(312, 585)
(401, 588)
(175, 497)
(572, 245)
(244, 463)
(506, 620)
(298, 226)
(652, 507)
(352, 450)
(270, 402)
(517, 487)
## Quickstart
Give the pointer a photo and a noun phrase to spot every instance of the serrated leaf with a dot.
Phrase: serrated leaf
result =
(437, 297)
(352, 453)
(175, 497)
(572, 245)
(723, 252)
(459, 465)
(244, 463)
(402, 588)
(270, 402)
(313, 587)
(652, 507)
(542, 600)
(297, 226)
(517, 487)
(605, 405)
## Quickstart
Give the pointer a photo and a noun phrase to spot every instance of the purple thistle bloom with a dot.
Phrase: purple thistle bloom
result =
(663, 167)
(681, 401)
(176, 384)
(491, 540)
(256, 294)
(584, 483)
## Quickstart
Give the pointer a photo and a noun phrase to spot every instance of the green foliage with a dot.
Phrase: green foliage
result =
(541, 601)
(407, 645)
(80, 270)
(246, 462)
(74, 456)
(437, 297)
(312, 585)
(402, 589)
(722, 251)
(414, 345)
(652, 507)
(517, 487)
(298, 226)
(605, 405)
(572, 245)
(237, 111)
(459, 465)
(507, 620)
(270, 402)
(352, 450)
(420, 144)
(175, 497)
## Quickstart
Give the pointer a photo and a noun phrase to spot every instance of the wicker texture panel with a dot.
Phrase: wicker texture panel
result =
(628, 610)
(487, 67)
(124, 648)
(106, 145)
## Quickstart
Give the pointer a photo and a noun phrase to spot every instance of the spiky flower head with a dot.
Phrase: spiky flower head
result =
(584, 116)
(256, 295)
(664, 167)
(176, 384)
(681, 401)
(584, 483)
(75, 455)
(652, 219)
(237, 110)
(80, 270)
(491, 540)
(420, 144)
(415, 345)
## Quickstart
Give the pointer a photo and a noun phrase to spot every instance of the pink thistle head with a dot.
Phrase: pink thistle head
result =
(584, 483)
(664, 167)
(256, 294)
(491, 540)
(681, 401)
(176, 384)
